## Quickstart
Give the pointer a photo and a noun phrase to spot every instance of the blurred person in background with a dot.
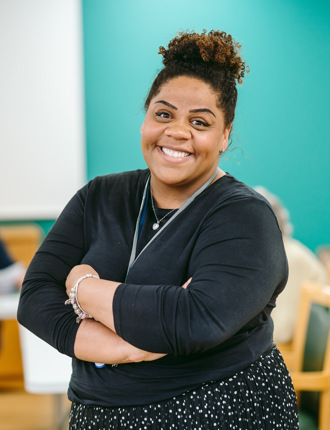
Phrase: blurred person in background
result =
(303, 266)
(11, 272)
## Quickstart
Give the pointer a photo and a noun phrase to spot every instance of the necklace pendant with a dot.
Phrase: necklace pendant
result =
(155, 226)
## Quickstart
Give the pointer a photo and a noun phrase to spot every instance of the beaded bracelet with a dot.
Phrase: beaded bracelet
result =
(73, 299)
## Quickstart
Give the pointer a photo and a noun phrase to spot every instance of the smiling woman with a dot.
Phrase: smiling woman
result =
(183, 135)
(172, 272)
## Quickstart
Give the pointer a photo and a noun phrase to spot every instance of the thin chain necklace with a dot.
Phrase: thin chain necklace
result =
(140, 219)
(155, 226)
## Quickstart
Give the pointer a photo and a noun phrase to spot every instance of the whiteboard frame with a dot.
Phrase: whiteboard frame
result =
(42, 124)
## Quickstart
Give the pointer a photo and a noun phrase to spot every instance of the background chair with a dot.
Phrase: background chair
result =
(46, 371)
(22, 242)
(308, 357)
(25, 360)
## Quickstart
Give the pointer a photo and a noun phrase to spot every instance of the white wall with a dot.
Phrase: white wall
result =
(42, 140)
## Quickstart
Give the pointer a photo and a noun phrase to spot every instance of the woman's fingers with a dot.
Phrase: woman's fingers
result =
(185, 285)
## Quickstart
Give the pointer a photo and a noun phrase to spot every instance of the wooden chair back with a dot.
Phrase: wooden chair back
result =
(318, 380)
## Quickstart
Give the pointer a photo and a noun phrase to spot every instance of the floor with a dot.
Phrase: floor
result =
(23, 411)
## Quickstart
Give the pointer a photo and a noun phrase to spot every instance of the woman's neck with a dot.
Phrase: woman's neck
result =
(169, 196)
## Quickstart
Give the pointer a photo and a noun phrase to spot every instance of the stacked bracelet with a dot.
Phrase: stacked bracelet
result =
(73, 299)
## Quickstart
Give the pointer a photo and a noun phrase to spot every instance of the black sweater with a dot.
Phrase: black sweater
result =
(227, 240)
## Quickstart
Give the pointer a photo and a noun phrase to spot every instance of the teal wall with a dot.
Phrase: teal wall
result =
(281, 127)
(281, 130)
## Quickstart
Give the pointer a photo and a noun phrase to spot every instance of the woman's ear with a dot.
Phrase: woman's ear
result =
(225, 138)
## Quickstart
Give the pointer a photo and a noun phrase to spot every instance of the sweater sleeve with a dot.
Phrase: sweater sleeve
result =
(237, 265)
(41, 308)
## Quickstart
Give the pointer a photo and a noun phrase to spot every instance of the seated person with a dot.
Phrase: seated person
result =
(323, 253)
(11, 273)
(303, 266)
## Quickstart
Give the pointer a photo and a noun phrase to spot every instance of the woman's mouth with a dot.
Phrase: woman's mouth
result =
(175, 154)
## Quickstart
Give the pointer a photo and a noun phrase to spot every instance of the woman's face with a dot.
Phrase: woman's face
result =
(183, 134)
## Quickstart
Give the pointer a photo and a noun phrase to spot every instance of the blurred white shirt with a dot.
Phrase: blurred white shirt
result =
(11, 278)
(303, 266)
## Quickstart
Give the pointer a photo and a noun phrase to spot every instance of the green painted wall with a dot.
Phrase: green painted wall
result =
(281, 131)
(281, 128)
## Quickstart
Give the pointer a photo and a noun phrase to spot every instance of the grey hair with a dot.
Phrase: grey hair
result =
(281, 212)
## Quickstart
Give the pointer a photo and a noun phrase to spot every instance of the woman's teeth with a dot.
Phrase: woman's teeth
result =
(175, 154)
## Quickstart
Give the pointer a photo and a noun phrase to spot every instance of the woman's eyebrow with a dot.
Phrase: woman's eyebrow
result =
(192, 110)
(167, 104)
(203, 110)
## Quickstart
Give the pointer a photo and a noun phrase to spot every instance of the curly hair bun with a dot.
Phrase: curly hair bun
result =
(216, 48)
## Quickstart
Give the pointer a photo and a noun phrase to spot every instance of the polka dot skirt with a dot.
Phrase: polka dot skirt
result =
(260, 397)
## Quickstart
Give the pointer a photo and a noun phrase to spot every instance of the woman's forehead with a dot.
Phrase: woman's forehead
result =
(186, 91)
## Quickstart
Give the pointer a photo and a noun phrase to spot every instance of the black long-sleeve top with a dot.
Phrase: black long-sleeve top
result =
(227, 240)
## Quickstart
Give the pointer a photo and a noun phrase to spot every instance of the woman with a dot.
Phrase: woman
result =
(173, 271)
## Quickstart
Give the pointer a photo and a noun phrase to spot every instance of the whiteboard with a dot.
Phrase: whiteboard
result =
(42, 138)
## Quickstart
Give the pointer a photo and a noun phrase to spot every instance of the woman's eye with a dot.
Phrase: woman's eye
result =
(200, 123)
(163, 114)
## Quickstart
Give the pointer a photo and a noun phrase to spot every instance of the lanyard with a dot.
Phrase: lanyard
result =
(141, 218)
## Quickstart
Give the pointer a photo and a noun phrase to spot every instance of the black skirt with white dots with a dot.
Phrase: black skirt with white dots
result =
(260, 397)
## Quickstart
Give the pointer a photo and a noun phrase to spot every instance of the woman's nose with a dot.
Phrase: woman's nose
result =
(178, 131)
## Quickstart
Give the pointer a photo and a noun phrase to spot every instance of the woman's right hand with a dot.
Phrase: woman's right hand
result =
(185, 285)
(136, 355)
(152, 356)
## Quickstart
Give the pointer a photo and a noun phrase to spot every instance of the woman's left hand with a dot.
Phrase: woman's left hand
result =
(76, 273)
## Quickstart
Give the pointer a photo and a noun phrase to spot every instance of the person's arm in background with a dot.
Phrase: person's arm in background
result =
(11, 273)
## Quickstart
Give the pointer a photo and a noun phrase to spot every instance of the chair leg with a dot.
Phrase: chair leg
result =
(61, 413)
(324, 414)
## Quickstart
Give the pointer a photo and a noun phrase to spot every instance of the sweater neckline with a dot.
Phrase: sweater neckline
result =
(133, 256)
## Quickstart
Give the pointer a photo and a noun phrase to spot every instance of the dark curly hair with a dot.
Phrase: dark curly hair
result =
(211, 57)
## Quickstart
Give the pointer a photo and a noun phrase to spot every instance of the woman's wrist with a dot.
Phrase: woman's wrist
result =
(96, 297)
(74, 301)
(77, 272)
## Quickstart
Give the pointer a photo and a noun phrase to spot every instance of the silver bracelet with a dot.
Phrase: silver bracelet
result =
(73, 299)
